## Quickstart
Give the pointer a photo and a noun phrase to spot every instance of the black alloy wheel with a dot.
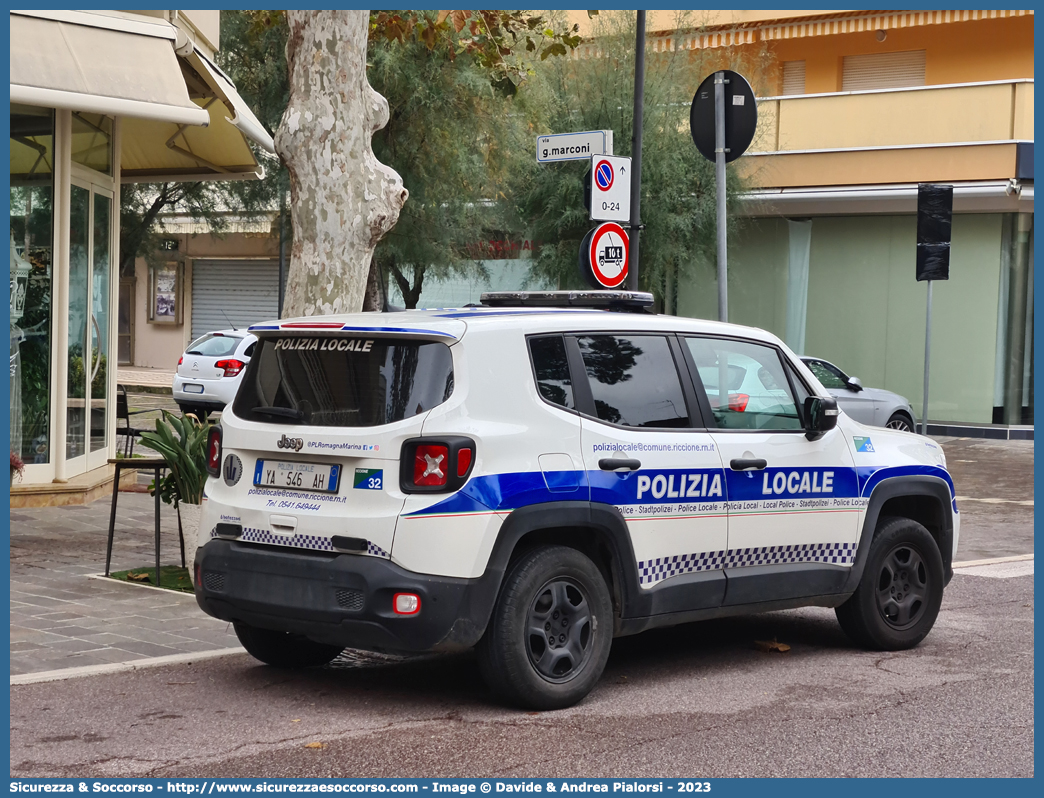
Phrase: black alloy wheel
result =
(902, 587)
(550, 631)
(559, 639)
(900, 592)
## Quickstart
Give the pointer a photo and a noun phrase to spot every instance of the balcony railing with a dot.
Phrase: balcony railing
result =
(892, 135)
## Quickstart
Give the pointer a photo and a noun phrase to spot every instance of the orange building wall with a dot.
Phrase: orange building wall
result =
(958, 52)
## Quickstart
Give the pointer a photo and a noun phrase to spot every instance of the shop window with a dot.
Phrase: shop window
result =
(92, 141)
(32, 222)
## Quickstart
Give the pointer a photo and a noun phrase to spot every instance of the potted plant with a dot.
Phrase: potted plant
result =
(182, 442)
(16, 467)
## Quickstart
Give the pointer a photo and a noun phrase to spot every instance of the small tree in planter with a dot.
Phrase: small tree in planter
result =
(182, 442)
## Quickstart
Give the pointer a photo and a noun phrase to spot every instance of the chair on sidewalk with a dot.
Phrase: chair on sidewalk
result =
(123, 413)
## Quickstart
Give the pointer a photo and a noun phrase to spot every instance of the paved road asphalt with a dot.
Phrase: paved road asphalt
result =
(696, 700)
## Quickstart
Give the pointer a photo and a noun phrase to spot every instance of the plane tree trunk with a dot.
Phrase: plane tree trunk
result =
(342, 199)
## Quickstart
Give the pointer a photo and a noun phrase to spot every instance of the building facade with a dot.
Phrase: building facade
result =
(856, 108)
(98, 99)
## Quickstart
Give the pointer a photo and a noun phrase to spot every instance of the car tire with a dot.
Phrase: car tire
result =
(283, 650)
(901, 589)
(900, 421)
(199, 412)
(553, 588)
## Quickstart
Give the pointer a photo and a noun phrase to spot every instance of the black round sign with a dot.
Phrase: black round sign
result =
(741, 116)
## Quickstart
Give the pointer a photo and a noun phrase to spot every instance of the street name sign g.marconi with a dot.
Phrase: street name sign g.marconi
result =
(604, 256)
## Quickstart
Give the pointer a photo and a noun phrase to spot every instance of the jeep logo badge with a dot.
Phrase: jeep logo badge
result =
(297, 444)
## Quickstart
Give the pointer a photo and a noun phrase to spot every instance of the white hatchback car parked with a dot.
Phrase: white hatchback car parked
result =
(210, 371)
(548, 471)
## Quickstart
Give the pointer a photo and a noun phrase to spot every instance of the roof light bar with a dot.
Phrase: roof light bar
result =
(637, 301)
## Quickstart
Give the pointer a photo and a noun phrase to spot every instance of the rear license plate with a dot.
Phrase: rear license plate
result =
(297, 476)
(190, 387)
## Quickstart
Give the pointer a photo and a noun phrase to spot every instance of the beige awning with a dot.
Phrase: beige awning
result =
(183, 119)
(61, 65)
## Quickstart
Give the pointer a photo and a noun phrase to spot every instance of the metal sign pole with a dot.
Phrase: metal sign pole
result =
(927, 358)
(636, 152)
(719, 178)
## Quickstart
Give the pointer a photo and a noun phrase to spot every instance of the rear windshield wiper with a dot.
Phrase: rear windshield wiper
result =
(193, 352)
(283, 412)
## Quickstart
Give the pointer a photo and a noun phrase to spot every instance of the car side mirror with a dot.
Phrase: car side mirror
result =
(820, 416)
(855, 384)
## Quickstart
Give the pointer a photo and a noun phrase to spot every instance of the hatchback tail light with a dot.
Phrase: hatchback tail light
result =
(738, 402)
(231, 367)
(214, 451)
(181, 360)
(436, 465)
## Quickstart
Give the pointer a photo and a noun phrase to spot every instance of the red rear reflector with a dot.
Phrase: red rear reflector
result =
(406, 604)
(463, 461)
(231, 367)
(430, 466)
(738, 402)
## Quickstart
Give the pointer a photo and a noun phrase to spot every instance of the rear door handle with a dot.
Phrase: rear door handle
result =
(614, 463)
(742, 464)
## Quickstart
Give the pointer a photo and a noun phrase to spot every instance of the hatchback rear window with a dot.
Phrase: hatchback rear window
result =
(214, 345)
(343, 382)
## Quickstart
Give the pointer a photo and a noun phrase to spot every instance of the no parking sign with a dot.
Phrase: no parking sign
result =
(610, 188)
(604, 256)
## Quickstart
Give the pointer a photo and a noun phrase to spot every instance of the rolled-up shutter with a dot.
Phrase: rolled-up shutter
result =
(233, 293)
(883, 71)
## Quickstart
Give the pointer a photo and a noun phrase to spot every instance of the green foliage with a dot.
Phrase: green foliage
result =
(446, 135)
(594, 92)
(500, 43)
(182, 442)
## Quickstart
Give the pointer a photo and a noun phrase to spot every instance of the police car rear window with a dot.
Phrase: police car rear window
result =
(343, 382)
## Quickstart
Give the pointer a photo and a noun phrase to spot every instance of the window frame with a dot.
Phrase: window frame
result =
(789, 371)
(583, 396)
(569, 366)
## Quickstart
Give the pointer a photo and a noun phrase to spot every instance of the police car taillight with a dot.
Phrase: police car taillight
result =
(406, 604)
(430, 466)
(214, 451)
(436, 464)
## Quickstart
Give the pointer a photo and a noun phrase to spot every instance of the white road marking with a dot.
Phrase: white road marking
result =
(998, 568)
(120, 667)
(1026, 503)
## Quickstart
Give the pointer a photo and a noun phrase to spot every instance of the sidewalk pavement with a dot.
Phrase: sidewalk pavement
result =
(62, 618)
(138, 377)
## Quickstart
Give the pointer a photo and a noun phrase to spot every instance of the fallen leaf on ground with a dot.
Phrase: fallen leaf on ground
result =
(771, 645)
(138, 577)
(296, 720)
(315, 745)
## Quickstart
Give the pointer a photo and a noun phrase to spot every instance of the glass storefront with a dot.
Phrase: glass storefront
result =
(32, 224)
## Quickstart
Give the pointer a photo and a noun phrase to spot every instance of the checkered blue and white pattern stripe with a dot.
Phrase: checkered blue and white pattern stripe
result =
(298, 541)
(652, 571)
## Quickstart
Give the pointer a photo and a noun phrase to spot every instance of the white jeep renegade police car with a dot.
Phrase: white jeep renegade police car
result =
(540, 474)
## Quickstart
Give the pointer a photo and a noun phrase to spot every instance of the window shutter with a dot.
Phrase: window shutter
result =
(793, 77)
(883, 71)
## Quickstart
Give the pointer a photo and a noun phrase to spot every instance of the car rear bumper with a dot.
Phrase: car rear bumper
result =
(341, 599)
(215, 394)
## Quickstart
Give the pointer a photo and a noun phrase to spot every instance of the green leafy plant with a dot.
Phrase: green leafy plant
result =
(182, 442)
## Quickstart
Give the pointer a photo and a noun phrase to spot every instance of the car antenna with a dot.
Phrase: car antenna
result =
(230, 324)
